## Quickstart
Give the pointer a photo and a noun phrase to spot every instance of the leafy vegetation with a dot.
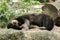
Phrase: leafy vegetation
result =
(10, 10)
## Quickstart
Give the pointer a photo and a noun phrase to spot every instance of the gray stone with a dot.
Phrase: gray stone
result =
(10, 34)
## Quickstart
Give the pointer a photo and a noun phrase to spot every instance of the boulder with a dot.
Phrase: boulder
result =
(10, 34)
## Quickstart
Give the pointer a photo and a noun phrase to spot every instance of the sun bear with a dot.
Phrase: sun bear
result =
(25, 21)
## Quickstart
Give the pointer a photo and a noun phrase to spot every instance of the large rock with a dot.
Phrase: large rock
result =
(10, 34)
(52, 9)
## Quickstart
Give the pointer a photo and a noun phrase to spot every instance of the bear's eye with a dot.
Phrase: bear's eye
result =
(19, 24)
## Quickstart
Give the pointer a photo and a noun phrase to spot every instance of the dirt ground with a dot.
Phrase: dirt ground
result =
(56, 29)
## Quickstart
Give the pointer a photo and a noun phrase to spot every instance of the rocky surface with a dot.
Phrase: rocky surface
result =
(10, 34)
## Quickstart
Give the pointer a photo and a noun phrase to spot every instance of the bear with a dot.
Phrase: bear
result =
(15, 24)
(57, 21)
(25, 21)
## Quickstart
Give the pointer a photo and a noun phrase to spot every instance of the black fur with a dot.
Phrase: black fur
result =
(57, 21)
(13, 26)
(39, 20)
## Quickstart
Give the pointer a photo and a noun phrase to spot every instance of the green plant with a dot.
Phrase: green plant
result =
(8, 13)
(41, 1)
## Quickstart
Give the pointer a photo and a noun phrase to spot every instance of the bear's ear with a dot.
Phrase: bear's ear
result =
(14, 22)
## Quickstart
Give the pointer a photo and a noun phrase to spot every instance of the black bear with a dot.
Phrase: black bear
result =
(25, 21)
(57, 21)
(19, 24)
